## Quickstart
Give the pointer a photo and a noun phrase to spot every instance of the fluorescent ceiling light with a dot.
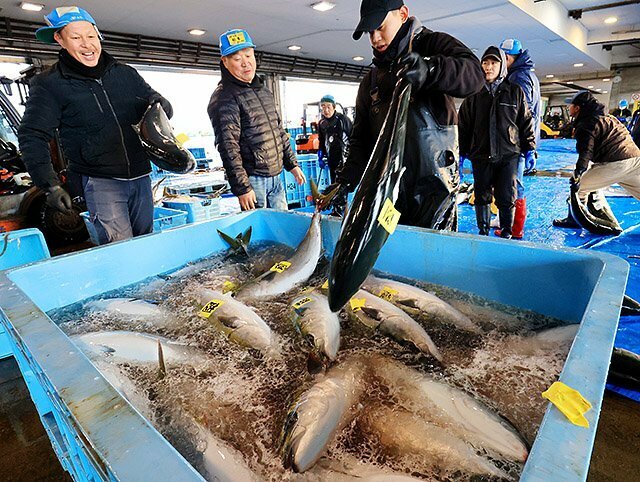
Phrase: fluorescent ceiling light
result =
(598, 89)
(197, 31)
(605, 91)
(610, 20)
(323, 6)
(550, 76)
(32, 7)
(294, 47)
(589, 86)
(569, 81)
(578, 65)
(358, 58)
(606, 80)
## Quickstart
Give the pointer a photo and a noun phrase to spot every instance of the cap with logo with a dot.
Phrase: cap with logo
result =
(373, 13)
(511, 46)
(492, 53)
(61, 17)
(234, 40)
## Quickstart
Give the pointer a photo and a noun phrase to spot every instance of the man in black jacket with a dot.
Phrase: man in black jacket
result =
(92, 100)
(606, 152)
(496, 126)
(249, 134)
(439, 68)
(334, 129)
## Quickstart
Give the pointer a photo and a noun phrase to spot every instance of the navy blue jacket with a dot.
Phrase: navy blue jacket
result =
(520, 73)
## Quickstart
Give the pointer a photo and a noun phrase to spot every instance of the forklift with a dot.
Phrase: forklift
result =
(309, 142)
(556, 122)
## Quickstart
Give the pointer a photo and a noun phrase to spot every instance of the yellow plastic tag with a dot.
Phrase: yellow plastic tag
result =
(280, 267)
(357, 303)
(182, 138)
(301, 302)
(228, 286)
(388, 293)
(389, 216)
(236, 38)
(325, 285)
(208, 309)
(570, 402)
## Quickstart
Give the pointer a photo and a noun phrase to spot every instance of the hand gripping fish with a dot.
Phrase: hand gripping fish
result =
(156, 135)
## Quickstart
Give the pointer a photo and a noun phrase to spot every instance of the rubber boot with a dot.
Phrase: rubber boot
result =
(483, 218)
(506, 222)
(517, 232)
(567, 222)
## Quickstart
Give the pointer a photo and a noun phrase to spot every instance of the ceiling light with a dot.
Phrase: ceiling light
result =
(32, 7)
(610, 20)
(570, 82)
(589, 86)
(323, 6)
(578, 65)
(598, 89)
(294, 47)
(197, 31)
(606, 80)
(358, 58)
(605, 91)
(550, 76)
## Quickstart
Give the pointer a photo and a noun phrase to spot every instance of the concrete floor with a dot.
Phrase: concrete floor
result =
(26, 454)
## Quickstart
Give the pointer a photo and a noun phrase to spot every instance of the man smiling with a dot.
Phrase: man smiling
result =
(92, 100)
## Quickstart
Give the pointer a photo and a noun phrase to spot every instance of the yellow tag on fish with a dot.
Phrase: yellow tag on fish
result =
(228, 286)
(182, 138)
(388, 294)
(570, 402)
(325, 285)
(280, 267)
(208, 309)
(301, 302)
(389, 216)
(357, 303)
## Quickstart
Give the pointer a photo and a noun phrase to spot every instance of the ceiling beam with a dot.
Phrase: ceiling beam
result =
(577, 13)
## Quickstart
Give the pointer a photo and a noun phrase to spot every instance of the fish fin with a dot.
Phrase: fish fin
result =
(234, 243)
(315, 362)
(372, 313)
(228, 321)
(408, 302)
(162, 368)
(246, 236)
(322, 200)
(630, 307)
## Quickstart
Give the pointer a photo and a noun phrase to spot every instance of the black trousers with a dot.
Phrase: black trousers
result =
(498, 179)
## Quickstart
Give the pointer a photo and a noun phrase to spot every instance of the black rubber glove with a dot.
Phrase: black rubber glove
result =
(59, 199)
(574, 182)
(417, 70)
(166, 105)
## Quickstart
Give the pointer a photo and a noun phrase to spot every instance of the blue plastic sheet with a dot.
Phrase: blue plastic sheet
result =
(546, 200)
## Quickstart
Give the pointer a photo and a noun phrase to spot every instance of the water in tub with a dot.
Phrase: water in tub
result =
(475, 413)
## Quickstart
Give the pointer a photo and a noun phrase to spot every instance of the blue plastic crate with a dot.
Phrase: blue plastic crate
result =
(294, 192)
(200, 208)
(163, 218)
(198, 152)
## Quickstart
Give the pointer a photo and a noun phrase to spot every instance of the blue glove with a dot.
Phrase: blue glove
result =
(462, 161)
(321, 161)
(530, 160)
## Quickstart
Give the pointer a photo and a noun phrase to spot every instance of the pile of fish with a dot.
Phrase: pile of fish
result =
(375, 382)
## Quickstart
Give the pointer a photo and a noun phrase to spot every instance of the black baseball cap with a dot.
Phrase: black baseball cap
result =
(373, 13)
(492, 53)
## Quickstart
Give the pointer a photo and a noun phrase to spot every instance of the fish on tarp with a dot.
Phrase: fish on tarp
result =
(407, 434)
(594, 214)
(136, 348)
(461, 414)
(630, 307)
(156, 136)
(624, 370)
(319, 326)
(416, 301)
(240, 243)
(320, 412)
(238, 322)
(362, 236)
(382, 316)
(286, 275)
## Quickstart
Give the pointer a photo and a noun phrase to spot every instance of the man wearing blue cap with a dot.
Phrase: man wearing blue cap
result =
(520, 72)
(249, 135)
(92, 100)
(333, 131)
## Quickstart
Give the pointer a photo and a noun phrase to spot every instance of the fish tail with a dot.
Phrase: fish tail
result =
(238, 243)
(162, 369)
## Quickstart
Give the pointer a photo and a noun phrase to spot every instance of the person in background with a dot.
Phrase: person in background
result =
(520, 72)
(495, 128)
(606, 152)
(92, 100)
(334, 130)
(634, 127)
(439, 67)
(249, 135)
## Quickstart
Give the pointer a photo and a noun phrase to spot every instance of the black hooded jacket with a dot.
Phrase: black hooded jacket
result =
(94, 118)
(248, 131)
(458, 74)
(600, 137)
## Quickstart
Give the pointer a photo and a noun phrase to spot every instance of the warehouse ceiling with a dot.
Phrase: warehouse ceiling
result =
(555, 40)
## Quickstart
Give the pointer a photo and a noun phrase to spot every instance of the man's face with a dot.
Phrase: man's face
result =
(574, 110)
(510, 60)
(82, 42)
(491, 68)
(327, 109)
(241, 64)
(381, 37)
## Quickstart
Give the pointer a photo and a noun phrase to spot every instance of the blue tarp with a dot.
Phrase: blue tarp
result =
(546, 200)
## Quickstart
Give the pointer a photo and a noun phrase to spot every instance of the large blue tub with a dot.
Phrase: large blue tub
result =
(99, 436)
